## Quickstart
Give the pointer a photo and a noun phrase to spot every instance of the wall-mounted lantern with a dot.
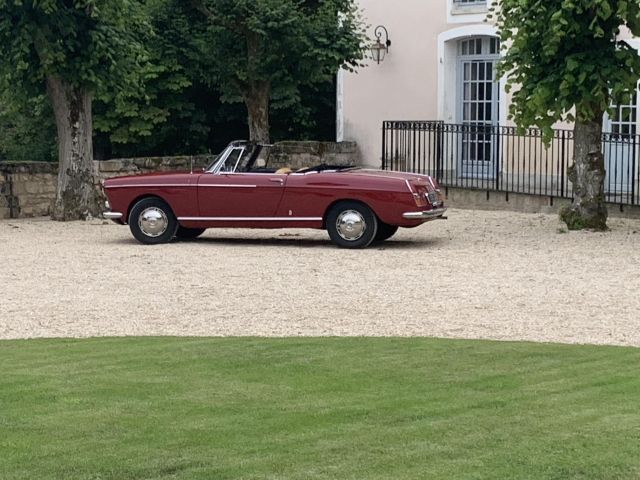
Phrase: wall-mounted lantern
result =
(381, 47)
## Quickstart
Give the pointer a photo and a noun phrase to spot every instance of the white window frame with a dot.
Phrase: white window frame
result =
(472, 13)
(447, 71)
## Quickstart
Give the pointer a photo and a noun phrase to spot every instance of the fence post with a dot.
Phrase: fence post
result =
(497, 147)
(439, 153)
(384, 145)
(633, 169)
(562, 165)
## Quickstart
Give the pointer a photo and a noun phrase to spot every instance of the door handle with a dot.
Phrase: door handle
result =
(277, 180)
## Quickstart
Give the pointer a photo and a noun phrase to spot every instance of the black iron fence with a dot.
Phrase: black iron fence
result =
(499, 158)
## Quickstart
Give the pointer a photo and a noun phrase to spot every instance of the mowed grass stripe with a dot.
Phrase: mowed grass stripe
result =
(359, 408)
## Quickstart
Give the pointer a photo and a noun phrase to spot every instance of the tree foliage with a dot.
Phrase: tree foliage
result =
(71, 50)
(566, 54)
(159, 100)
(258, 51)
(88, 43)
(179, 107)
(566, 59)
(27, 129)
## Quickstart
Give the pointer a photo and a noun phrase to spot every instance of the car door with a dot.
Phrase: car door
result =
(239, 196)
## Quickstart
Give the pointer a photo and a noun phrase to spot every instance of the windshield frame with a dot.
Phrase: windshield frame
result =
(217, 164)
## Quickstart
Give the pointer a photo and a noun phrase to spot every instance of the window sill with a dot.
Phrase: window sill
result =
(469, 10)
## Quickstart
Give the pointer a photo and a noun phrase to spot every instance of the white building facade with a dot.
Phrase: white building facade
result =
(440, 66)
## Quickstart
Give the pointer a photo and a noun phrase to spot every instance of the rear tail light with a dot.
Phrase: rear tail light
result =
(421, 200)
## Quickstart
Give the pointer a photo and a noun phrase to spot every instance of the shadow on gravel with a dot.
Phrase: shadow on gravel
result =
(274, 242)
(289, 241)
(311, 243)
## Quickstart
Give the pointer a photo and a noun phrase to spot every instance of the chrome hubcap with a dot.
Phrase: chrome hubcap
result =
(153, 222)
(351, 225)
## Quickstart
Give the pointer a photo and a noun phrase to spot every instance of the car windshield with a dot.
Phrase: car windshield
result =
(233, 159)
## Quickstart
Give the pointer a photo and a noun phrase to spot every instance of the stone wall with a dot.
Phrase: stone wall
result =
(297, 155)
(136, 166)
(28, 189)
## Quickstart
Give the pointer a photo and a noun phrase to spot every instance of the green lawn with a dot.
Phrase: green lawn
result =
(148, 408)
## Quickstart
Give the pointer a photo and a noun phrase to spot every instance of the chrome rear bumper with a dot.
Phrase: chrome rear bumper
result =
(426, 215)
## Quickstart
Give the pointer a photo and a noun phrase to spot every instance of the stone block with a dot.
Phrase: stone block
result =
(347, 148)
(45, 178)
(289, 147)
(49, 187)
(110, 166)
(176, 162)
(30, 167)
(19, 188)
(202, 161)
(42, 209)
(33, 187)
(338, 159)
(150, 164)
(5, 213)
(26, 211)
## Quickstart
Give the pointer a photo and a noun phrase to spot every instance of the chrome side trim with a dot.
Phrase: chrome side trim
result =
(228, 186)
(162, 185)
(250, 219)
(153, 185)
(112, 215)
(426, 215)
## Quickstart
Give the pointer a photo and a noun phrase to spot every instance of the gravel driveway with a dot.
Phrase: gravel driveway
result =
(494, 275)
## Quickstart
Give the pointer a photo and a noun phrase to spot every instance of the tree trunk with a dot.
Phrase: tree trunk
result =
(76, 196)
(587, 174)
(256, 99)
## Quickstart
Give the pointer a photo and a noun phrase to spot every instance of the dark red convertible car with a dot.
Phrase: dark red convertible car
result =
(356, 206)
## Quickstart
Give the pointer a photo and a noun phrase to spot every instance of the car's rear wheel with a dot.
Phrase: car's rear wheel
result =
(351, 225)
(185, 233)
(152, 221)
(385, 231)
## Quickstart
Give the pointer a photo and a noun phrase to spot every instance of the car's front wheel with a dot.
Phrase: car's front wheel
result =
(152, 221)
(352, 225)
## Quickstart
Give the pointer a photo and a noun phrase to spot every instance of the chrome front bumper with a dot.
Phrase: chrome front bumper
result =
(112, 215)
(426, 215)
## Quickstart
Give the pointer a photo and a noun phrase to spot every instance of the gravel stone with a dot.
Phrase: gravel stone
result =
(483, 275)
